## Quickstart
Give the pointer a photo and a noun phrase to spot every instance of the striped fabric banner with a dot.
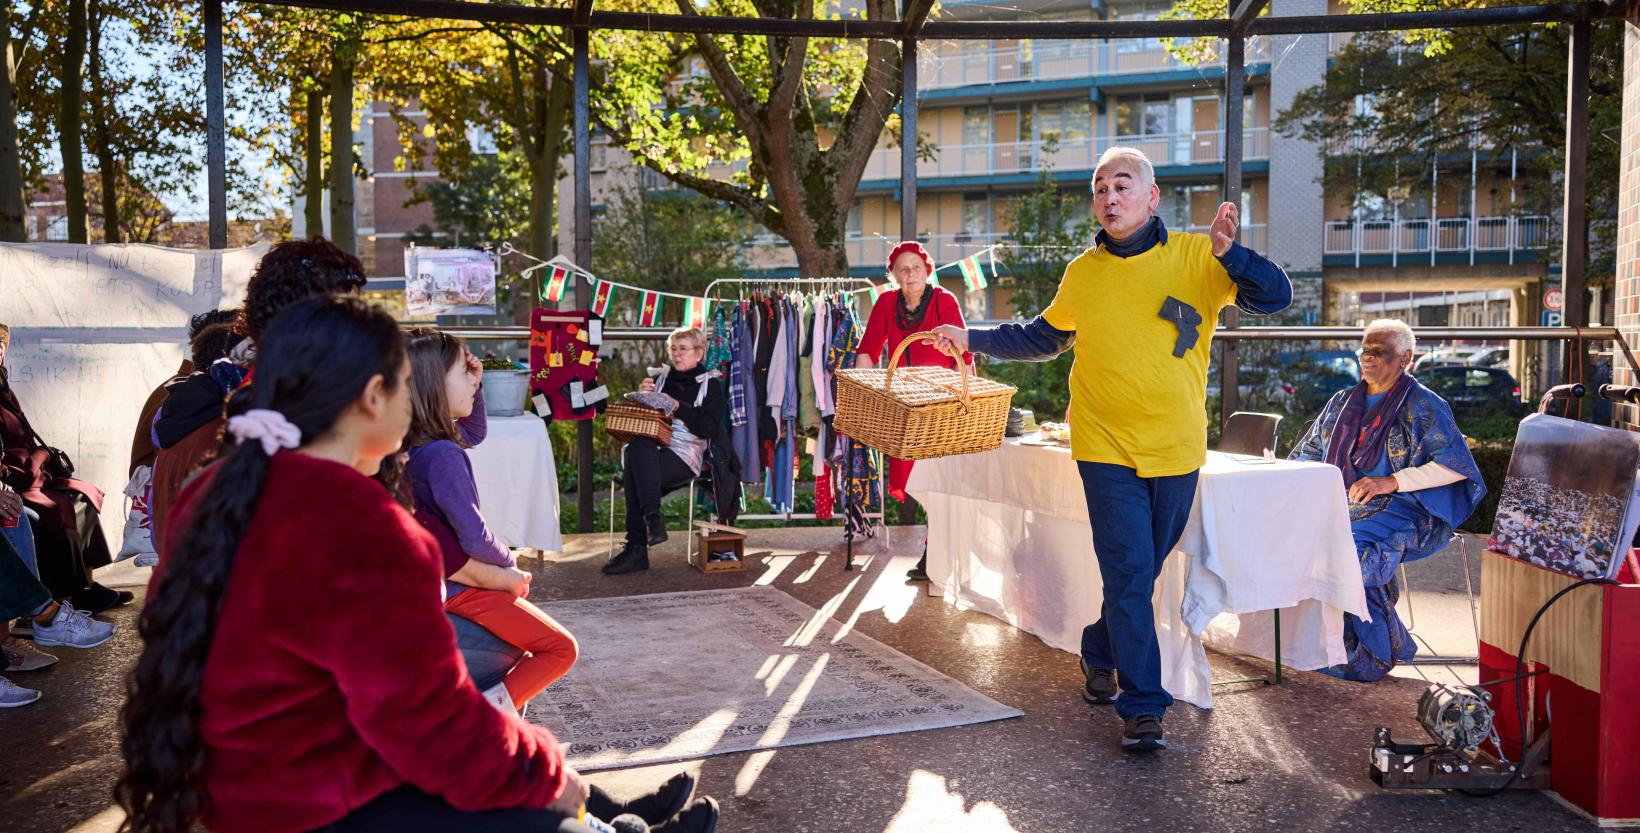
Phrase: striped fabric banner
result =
(651, 309)
(602, 292)
(554, 288)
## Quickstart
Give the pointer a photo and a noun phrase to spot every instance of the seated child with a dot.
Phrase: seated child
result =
(486, 586)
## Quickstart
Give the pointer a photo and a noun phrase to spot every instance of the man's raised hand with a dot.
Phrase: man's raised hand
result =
(1224, 228)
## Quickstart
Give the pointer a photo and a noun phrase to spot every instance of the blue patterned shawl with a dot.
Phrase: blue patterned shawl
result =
(1424, 430)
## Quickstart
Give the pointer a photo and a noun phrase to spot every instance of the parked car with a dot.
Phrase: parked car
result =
(1491, 357)
(1452, 357)
(1309, 378)
(1475, 391)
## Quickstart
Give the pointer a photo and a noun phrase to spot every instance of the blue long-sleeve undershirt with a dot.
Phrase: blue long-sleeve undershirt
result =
(1262, 288)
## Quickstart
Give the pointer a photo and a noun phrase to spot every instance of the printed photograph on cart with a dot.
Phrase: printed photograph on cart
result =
(448, 282)
(1569, 500)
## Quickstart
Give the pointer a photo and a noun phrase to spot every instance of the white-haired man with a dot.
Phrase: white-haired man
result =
(1409, 479)
(1135, 308)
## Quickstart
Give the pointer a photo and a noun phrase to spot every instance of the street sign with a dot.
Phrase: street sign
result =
(1552, 318)
(1554, 299)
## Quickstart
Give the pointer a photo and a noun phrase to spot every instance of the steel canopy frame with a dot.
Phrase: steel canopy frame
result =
(582, 18)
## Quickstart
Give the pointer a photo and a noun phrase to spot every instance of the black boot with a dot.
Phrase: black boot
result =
(664, 802)
(656, 524)
(701, 816)
(919, 572)
(634, 558)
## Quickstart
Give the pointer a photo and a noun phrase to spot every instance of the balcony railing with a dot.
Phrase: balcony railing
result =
(1446, 234)
(770, 252)
(1189, 148)
(962, 65)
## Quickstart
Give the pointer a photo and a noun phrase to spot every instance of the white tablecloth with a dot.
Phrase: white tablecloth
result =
(1008, 536)
(518, 482)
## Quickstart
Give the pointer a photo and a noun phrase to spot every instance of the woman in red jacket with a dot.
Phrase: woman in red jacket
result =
(917, 306)
(298, 673)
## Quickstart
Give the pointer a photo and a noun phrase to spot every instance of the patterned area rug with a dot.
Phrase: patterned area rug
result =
(678, 676)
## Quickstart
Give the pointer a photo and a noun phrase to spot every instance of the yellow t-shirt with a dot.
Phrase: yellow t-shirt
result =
(1132, 403)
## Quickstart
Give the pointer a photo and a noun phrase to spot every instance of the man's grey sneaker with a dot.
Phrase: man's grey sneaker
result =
(1143, 734)
(20, 655)
(1099, 684)
(73, 629)
(13, 695)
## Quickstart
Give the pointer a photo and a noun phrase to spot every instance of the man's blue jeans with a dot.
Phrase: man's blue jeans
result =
(1136, 522)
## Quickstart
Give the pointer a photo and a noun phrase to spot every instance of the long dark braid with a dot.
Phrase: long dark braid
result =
(316, 359)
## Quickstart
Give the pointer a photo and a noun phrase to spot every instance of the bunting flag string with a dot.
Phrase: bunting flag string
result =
(554, 287)
(696, 309)
(602, 292)
(694, 312)
(651, 310)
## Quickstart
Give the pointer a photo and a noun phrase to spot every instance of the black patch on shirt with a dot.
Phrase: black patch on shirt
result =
(1187, 319)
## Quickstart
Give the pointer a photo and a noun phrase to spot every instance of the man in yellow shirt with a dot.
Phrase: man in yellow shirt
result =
(1139, 309)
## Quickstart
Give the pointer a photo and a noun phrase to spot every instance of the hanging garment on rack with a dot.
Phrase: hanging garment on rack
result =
(779, 489)
(860, 492)
(779, 370)
(766, 334)
(744, 416)
(719, 348)
(823, 498)
(789, 402)
(819, 340)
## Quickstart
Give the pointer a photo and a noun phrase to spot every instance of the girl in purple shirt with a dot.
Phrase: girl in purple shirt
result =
(484, 584)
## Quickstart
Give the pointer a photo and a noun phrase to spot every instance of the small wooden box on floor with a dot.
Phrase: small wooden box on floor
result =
(718, 539)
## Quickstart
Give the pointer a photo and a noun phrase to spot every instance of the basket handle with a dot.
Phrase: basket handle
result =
(963, 369)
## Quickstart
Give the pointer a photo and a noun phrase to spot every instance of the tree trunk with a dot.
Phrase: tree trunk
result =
(342, 65)
(69, 139)
(313, 170)
(13, 213)
(107, 167)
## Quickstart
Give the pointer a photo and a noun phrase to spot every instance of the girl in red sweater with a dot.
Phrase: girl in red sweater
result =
(298, 673)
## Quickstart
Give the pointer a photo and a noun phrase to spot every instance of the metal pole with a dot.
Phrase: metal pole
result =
(1575, 243)
(1235, 85)
(583, 258)
(216, 142)
(908, 139)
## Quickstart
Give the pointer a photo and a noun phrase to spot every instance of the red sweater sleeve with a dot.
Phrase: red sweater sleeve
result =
(877, 328)
(379, 627)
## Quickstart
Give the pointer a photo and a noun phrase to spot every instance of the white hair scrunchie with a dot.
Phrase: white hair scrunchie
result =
(270, 428)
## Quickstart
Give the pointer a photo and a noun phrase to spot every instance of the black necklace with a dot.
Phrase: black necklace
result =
(910, 320)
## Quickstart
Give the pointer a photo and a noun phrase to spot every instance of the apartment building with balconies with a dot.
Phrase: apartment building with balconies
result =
(995, 115)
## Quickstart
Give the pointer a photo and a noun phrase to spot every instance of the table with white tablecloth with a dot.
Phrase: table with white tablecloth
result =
(518, 482)
(1008, 536)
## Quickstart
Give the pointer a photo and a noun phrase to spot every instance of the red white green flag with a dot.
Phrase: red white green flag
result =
(554, 288)
(651, 309)
(973, 275)
(602, 292)
(879, 290)
(694, 312)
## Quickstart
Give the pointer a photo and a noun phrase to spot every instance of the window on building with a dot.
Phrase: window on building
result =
(57, 227)
(1067, 121)
(1148, 10)
(976, 214)
(976, 125)
(856, 219)
(1143, 116)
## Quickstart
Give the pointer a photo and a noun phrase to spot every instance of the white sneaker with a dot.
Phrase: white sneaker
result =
(498, 697)
(23, 656)
(13, 695)
(73, 629)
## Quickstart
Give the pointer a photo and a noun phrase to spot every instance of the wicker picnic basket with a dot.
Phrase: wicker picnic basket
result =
(626, 422)
(915, 413)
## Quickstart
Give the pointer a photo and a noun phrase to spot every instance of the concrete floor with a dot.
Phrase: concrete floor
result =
(1292, 757)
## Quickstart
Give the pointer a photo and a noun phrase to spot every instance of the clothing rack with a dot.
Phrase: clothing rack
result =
(881, 515)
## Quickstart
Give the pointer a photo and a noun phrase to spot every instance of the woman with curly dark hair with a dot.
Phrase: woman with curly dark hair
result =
(189, 426)
(267, 700)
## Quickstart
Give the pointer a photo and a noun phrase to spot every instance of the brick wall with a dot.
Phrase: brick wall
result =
(1627, 301)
